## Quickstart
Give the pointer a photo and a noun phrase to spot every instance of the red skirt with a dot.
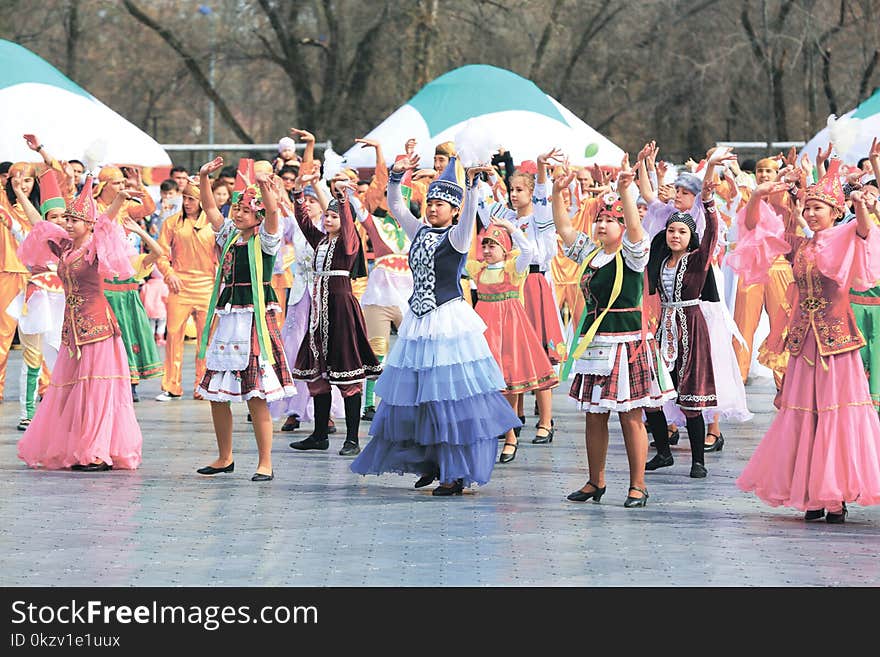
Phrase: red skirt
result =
(542, 312)
(516, 347)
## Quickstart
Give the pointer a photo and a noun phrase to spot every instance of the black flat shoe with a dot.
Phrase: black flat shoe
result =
(814, 515)
(672, 436)
(426, 480)
(698, 471)
(543, 440)
(837, 518)
(633, 502)
(444, 491)
(23, 424)
(659, 461)
(208, 470)
(583, 496)
(350, 448)
(507, 458)
(311, 443)
(92, 467)
(369, 413)
(290, 424)
(717, 446)
(263, 477)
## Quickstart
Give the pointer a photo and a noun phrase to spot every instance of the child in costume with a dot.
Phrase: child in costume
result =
(245, 358)
(512, 339)
(441, 411)
(822, 449)
(86, 420)
(154, 295)
(39, 309)
(679, 268)
(335, 351)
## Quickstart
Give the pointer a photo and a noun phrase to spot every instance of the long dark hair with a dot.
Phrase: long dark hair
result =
(33, 197)
(660, 251)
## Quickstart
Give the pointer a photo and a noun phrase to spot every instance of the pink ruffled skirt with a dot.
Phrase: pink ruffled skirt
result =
(823, 447)
(87, 412)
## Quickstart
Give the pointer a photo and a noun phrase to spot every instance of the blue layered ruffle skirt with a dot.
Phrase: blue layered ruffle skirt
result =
(441, 408)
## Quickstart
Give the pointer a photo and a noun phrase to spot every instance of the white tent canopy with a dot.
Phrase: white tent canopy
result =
(865, 127)
(510, 110)
(37, 98)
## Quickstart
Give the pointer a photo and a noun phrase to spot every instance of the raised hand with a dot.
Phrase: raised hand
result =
(32, 142)
(562, 181)
(769, 188)
(665, 193)
(305, 135)
(304, 179)
(822, 157)
(554, 155)
(410, 146)
(406, 163)
(662, 168)
(473, 172)
(625, 177)
(501, 221)
(210, 167)
(721, 155)
(367, 143)
(791, 158)
(874, 152)
(132, 226)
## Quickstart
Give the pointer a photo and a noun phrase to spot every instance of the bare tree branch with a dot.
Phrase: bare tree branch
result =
(193, 66)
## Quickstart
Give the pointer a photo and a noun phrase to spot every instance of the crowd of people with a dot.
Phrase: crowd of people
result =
(643, 282)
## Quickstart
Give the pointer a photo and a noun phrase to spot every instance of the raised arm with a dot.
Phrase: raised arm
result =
(865, 224)
(564, 228)
(375, 195)
(32, 213)
(206, 196)
(135, 185)
(308, 156)
(267, 191)
(396, 206)
(461, 234)
(156, 250)
(874, 157)
(632, 222)
(520, 241)
(37, 146)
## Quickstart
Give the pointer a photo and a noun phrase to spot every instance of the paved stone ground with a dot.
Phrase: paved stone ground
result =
(317, 524)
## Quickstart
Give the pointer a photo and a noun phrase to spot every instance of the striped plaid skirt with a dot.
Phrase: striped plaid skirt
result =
(629, 375)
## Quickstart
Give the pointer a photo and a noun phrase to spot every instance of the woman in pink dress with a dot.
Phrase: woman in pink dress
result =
(86, 420)
(823, 448)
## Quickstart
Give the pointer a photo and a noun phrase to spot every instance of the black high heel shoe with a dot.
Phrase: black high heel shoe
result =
(633, 502)
(208, 470)
(518, 430)
(507, 458)
(456, 488)
(837, 518)
(814, 515)
(545, 439)
(717, 446)
(583, 496)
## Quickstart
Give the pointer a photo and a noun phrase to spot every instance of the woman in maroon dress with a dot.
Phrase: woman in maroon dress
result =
(680, 269)
(335, 351)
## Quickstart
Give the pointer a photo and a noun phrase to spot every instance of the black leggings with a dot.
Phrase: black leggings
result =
(696, 429)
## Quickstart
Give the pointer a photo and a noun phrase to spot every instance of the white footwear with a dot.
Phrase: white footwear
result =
(166, 396)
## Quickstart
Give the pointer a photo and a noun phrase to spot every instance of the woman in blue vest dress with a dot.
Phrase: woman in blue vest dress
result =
(441, 408)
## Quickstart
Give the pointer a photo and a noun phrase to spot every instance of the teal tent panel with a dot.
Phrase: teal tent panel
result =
(868, 108)
(19, 65)
(475, 90)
